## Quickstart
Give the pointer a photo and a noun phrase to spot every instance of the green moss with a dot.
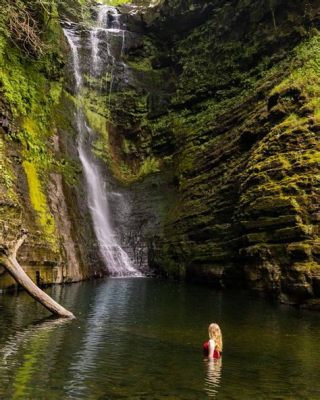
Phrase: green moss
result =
(114, 2)
(39, 203)
(7, 178)
(128, 175)
(98, 115)
(149, 166)
(277, 173)
(305, 73)
(307, 266)
(31, 89)
(142, 64)
(97, 122)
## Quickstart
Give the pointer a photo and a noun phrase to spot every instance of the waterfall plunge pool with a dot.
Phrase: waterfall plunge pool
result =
(141, 339)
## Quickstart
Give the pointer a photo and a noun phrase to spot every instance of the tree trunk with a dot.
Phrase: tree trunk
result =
(8, 259)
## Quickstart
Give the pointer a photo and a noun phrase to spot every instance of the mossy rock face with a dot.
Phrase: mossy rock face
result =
(34, 172)
(211, 129)
(239, 130)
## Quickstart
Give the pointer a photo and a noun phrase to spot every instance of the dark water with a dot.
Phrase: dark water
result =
(141, 339)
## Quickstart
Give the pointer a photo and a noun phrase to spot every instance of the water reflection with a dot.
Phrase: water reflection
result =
(24, 337)
(213, 377)
(25, 353)
(138, 339)
(102, 331)
(32, 342)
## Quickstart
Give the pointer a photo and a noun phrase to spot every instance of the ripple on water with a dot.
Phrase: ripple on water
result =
(141, 339)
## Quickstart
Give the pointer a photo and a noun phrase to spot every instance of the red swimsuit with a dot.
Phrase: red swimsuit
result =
(216, 353)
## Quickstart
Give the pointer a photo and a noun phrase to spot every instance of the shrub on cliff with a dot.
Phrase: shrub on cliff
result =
(26, 23)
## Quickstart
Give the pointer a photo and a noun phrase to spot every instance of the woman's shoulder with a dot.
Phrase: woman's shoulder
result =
(209, 343)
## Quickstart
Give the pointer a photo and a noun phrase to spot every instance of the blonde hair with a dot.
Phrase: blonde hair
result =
(215, 334)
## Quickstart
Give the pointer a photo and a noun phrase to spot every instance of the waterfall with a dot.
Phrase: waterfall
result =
(108, 23)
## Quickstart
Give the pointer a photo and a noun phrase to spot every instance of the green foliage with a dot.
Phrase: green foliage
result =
(149, 166)
(143, 64)
(25, 23)
(6, 174)
(30, 84)
(305, 73)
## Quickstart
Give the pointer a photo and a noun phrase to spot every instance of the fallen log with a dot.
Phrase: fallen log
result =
(8, 259)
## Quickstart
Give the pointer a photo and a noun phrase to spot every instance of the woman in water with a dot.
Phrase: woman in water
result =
(213, 347)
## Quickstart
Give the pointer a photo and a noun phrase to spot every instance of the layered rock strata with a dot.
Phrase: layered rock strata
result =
(224, 96)
(210, 131)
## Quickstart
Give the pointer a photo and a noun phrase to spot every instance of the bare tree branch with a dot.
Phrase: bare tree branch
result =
(8, 259)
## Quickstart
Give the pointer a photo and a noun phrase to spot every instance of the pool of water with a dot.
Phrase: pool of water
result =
(141, 339)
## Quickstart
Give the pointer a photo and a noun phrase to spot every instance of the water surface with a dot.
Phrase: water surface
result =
(141, 339)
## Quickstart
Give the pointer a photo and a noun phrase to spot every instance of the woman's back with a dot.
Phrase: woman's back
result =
(209, 345)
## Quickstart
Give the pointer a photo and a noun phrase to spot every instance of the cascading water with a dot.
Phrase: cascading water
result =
(107, 24)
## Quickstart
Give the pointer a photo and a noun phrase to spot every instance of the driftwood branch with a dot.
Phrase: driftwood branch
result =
(8, 259)
(20, 240)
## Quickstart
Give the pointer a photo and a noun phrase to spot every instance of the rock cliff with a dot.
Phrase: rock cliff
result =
(37, 180)
(225, 97)
(210, 129)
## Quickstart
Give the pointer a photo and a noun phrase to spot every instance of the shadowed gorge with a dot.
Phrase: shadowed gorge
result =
(201, 120)
(224, 106)
(159, 172)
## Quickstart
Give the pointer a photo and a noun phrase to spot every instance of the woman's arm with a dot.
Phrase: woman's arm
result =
(212, 346)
